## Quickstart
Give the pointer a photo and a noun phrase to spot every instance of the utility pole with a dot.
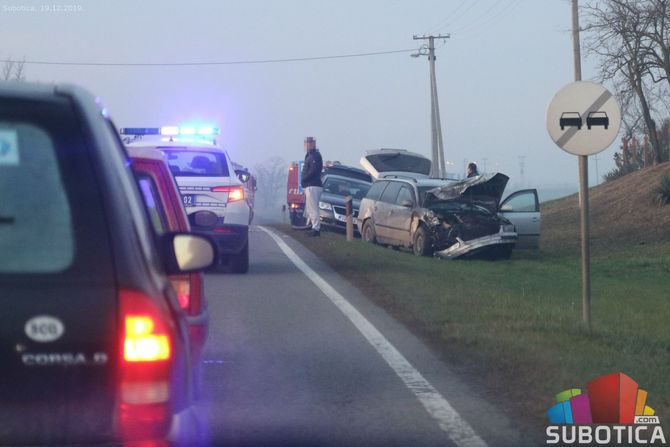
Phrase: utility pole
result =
(583, 185)
(438, 168)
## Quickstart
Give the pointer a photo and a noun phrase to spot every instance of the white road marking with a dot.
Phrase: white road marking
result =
(458, 430)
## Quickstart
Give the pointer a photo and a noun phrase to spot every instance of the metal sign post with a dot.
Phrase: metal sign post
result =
(583, 119)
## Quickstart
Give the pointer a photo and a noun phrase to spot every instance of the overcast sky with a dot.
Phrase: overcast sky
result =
(496, 74)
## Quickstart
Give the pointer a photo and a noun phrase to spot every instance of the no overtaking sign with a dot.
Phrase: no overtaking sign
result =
(583, 118)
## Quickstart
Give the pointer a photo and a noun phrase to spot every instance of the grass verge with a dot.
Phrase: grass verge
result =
(513, 328)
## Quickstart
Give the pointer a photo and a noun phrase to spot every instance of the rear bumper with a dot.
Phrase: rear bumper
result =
(229, 239)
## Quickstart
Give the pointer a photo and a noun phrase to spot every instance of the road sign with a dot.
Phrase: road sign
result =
(583, 118)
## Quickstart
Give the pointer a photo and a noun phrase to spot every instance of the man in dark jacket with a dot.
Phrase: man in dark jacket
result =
(311, 184)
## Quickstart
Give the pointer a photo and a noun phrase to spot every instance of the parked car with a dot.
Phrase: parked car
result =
(339, 182)
(447, 218)
(207, 182)
(93, 343)
(167, 213)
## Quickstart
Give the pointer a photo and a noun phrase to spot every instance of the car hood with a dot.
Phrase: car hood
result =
(485, 190)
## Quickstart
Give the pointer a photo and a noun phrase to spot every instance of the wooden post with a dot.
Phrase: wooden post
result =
(349, 217)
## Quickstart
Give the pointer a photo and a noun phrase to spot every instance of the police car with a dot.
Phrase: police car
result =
(207, 181)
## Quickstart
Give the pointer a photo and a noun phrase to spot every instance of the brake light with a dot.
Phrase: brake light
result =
(142, 343)
(182, 287)
(294, 206)
(146, 353)
(235, 193)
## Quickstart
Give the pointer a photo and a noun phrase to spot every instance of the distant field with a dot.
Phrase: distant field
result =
(514, 327)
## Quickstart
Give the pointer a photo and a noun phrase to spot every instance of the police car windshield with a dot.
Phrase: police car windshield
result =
(189, 163)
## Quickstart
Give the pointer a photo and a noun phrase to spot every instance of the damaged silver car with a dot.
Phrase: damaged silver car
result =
(446, 218)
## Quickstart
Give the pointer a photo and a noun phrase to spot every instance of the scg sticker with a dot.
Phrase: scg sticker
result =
(9, 148)
(44, 328)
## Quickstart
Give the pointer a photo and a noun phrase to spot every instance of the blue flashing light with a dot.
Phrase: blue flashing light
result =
(140, 131)
(171, 131)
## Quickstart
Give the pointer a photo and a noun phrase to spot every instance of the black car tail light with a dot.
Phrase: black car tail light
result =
(147, 339)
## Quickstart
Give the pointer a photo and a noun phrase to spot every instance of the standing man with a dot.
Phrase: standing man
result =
(311, 184)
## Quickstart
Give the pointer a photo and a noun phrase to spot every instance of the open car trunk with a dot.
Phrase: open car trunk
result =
(399, 162)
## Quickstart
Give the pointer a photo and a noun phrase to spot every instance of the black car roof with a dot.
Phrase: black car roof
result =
(347, 171)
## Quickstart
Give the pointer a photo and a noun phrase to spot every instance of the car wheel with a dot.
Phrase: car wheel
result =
(240, 261)
(369, 235)
(421, 244)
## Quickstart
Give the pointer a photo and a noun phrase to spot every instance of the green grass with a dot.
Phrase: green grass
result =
(514, 327)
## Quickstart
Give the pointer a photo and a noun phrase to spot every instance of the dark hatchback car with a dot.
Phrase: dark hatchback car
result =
(339, 182)
(94, 346)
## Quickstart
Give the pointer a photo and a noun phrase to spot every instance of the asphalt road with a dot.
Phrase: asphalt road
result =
(285, 366)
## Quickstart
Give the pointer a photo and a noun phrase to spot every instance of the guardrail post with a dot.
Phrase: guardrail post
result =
(350, 220)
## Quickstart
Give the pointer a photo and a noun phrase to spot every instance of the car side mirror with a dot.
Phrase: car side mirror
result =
(407, 203)
(203, 220)
(186, 252)
(506, 208)
(242, 175)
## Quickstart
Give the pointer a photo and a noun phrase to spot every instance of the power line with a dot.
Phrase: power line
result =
(451, 20)
(446, 20)
(508, 9)
(193, 64)
(481, 16)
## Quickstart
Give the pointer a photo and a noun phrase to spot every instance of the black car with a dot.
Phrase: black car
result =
(93, 343)
(338, 183)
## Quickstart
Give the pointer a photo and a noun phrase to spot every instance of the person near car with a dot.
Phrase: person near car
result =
(311, 184)
(472, 169)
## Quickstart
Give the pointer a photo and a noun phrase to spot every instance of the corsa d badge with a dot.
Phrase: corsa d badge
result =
(44, 328)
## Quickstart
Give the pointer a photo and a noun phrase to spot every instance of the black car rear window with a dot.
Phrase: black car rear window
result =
(190, 163)
(52, 225)
(345, 187)
(36, 233)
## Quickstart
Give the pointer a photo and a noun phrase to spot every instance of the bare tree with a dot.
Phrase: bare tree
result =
(619, 35)
(656, 38)
(271, 182)
(13, 70)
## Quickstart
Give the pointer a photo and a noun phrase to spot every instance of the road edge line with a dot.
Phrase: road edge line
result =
(449, 420)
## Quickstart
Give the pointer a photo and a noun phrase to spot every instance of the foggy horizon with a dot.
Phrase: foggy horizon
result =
(495, 75)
